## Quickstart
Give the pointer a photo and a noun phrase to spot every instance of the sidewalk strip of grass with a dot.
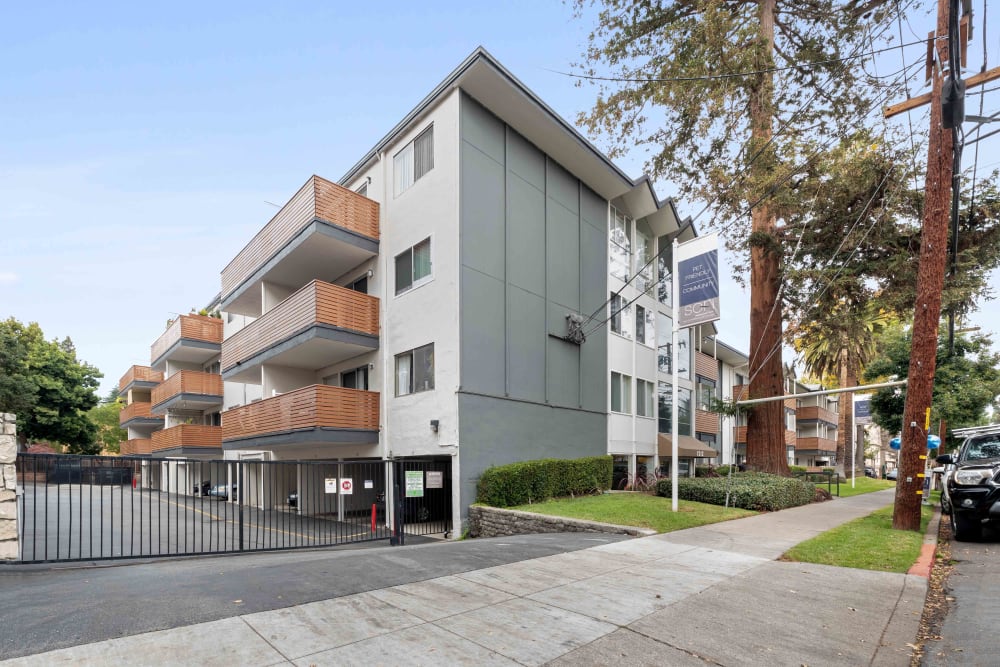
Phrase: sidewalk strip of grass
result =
(637, 509)
(868, 543)
(861, 485)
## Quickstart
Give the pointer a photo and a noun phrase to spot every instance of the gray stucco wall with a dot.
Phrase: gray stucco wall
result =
(533, 249)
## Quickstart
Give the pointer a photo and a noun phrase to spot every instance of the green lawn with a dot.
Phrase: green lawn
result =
(868, 543)
(637, 509)
(861, 485)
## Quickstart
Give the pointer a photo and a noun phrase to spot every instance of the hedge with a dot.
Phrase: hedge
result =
(535, 481)
(757, 491)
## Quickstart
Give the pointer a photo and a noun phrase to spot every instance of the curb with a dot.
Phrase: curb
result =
(925, 561)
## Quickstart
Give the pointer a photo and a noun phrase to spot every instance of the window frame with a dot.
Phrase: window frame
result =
(645, 406)
(407, 157)
(410, 355)
(414, 282)
(624, 384)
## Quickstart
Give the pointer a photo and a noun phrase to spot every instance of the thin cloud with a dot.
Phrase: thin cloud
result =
(8, 278)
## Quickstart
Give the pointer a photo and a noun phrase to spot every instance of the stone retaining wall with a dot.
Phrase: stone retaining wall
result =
(8, 486)
(495, 522)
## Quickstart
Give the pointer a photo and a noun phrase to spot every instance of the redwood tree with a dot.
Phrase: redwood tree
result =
(721, 94)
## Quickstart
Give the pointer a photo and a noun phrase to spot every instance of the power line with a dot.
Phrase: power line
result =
(734, 75)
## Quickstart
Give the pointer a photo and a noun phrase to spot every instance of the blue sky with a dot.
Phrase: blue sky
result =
(140, 144)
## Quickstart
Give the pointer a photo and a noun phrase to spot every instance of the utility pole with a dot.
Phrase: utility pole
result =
(930, 283)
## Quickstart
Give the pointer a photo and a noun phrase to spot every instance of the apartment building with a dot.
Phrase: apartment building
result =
(810, 423)
(428, 305)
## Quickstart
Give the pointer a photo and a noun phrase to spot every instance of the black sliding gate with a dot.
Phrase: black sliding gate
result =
(93, 507)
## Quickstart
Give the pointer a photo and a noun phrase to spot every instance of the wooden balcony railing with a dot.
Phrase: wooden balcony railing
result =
(139, 374)
(190, 327)
(740, 434)
(188, 382)
(315, 406)
(317, 303)
(823, 444)
(136, 447)
(790, 438)
(187, 435)
(318, 198)
(136, 410)
(706, 422)
(741, 392)
(815, 412)
(706, 366)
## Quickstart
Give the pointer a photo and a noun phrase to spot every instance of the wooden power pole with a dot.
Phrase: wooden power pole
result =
(930, 283)
(933, 258)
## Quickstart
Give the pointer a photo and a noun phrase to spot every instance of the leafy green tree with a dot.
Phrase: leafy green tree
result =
(965, 384)
(722, 95)
(17, 390)
(64, 388)
(105, 417)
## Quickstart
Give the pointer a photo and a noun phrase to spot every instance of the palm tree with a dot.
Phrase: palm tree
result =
(838, 344)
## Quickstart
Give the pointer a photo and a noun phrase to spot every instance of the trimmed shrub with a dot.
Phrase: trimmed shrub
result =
(797, 468)
(534, 481)
(757, 491)
(705, 471)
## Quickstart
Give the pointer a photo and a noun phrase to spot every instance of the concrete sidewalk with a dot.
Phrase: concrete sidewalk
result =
(711, 594)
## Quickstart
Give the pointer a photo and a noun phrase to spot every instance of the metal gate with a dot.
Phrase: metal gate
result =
(94, 507)
(427, 511)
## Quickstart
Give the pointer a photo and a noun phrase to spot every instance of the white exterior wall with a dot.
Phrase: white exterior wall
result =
(428, 313)
(282, 379)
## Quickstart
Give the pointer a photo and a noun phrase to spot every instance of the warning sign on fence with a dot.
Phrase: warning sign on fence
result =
(414, 483)
(330, 484)
(347, 486)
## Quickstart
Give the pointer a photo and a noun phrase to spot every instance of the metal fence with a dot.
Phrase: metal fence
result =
(93, 507)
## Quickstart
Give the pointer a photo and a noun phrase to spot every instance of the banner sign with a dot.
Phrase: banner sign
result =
(863, 411)
(698, 281)
(414, 483)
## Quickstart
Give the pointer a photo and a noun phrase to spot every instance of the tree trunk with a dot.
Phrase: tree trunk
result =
(842, 422)
(766, 423)
(927, 315)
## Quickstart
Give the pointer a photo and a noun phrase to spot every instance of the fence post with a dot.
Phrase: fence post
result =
(8, 487)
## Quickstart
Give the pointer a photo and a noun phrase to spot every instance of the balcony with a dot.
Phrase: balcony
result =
(706, 422)
(138, 415)
(706, 366)
(816, 413)
(188, 390)
(139, 377)
(317, 414)
(819, 445)
(324, 230)
(189, 338)
(319, 325)
(137, 447)
(187, 439)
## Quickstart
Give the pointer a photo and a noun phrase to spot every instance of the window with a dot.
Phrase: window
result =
(415, 160)
(413, 266)
(706, 394)
(644, 332)
(789, 419)
(664, 265)
(363, 190)
(621, 318)
(684, 353)
(665, 396)
(360, 285)
(644, 398)
(415, 370)
(214, 367)
(355, 379)
(620, 244)
(621, 393)
(643, 256)
(664, 331)
(663, 400)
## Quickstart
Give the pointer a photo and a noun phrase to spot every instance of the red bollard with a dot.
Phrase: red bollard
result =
(133, 481)
(373, 517)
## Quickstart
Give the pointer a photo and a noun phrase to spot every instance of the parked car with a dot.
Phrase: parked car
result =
(222, 491)
(203, 489)
(293, 499)
(892, 474)
(972, 487)
(871, 472)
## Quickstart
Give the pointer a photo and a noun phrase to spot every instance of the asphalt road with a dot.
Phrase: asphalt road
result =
(969, 632)
(45, 607)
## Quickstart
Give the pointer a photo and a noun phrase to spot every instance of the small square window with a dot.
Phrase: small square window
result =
(415, 370)
(413, 266)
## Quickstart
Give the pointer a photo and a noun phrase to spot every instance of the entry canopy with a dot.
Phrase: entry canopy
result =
(687, 448)
(933, 442)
